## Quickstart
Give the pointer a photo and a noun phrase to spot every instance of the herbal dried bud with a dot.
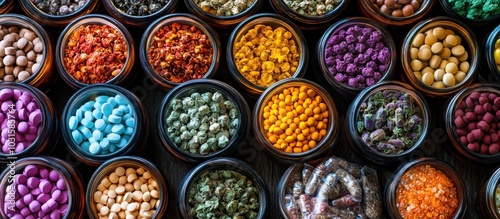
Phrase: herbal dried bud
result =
(312, 7)
(224, 7)
(139, 7)
(56, 7)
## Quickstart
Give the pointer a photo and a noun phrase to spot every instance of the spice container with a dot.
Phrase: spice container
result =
(288, 56)
(140, 13)
(310, 14)
(488, 195)
(59, 14)
(396, 13)
(353, 54)
(100, 58)
(29, 124)
(6, 6)
(41, 187)
(471, 119)
(224, 14)
(492, 50)
(440, 56)
(203, 119)
(228, 177)
(33, 63)
(387, 122)
(127, 185)
(333, 188)
(295, 120)
(197, 41)
(426, 179)
(473, 13)
(103, 121)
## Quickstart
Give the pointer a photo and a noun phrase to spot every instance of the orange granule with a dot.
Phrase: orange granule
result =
(425, 192)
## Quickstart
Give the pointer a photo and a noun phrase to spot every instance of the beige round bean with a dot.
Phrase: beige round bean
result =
(451, 68)
(449, 79)
(438, 85)
(427, 79)
(418, 40)
(438, 74)
(23, 75)
(464, 66)
(460, 76)
(414, 53)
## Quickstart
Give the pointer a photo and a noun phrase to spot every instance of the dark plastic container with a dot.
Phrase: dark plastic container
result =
(47, 19)
(488, 195)
(137, 20)
(221, 21)
(369, 10)
(201, 86)
(490, 45)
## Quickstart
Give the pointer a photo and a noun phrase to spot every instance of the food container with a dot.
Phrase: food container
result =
(373, 140)
(328, 132)
(237, 112)
(44, 136)
(142, 169)
(6, 6)
(275, 21)
(222, 21)
(78, 105)
(325, 54)
(373, 11)
(392, 186)
(457, 122)
(468, 41)
(316, 188)
(492, 49)
(71, 182)
(44, 17)
(43, 76)
(488, 194)
(309, 20)
(116, 64)
(208, 66)
(244, 171)
(133, 18)
(470, 8)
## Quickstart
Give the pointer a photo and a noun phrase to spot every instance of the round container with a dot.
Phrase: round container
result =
(44, 76)
(6, 6)
(182, 19)
(47, 134)
(222, 163)
(47, 19)
(469, 42)
(472, 22)
(370, 10)
(241, 131)
(308, 22)
(109, 167)
(323, 146)
(122, 77)
(341, 89)
(488, 195)
(461, 148)
(489, 48)
(222, 21)
(139, 20)
(450, 172)
(89, 93)
(274, 21)
(357, 140)
(76, 195)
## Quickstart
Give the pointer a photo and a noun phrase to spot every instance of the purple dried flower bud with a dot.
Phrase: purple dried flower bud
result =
(334, 39)
(384, 56)
(376, 36)
(367, 72)
(369, 51)
(330, 61)
(367, 31)
(371, 64)
(329, 51)
(342, 33)
(361, 39)
(339, 57)
(351, 47)
(348, 57)
(341, 66)
(351, 68)
(340, 77)
(369, 81)
(350, 39)
(352, 82)
(377, 75)
(379, 46)
(337, 49)
(360, 79)
(382, 68)
(374, 56)
(357, 30)
(350, 30)
(332, 70)
(360, 47)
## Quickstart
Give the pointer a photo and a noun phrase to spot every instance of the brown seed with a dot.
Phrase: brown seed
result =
(408, 10)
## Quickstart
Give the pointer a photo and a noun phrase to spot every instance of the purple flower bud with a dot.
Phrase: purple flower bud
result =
(379, 46)
(376, 36)
(342, 33)
(337, 49)
(360, 78)
(360, 47)
(332, 70)
(371, 64)
(343, 46)
(351, 68)
(348, 57)
(340, 77)
(361, 39)
(367, 31)
(369, 81)
(377, 75)
(384, 56)
(351, 47)
(330, 61)
(334, 39)
(369, 51)
(374, 57)
(350, 39)
(329, 51)
(341, 66)
(367, 72)
(382, 68)
(352, 82)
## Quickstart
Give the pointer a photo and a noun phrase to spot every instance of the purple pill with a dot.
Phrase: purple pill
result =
(22, 114)
(54, 175)
(41, 214)
(33, 130)
(30, 217)
(22, 189)
(45, 186)
(25, 211)
(32, 106)
(42, 198)
(35, 117)
(21, 179)
(27, 199)
(17, 93)
(30, 137)
(26, 98)
(20, 203)
(20, 147)
(55, 214)
(64, 197)
(17, 216)
(44, 173)
(36, 191)
(56, 195)
(19, 105)
(63, 209)
(6, 94)
(61, 184)
(34, 206)
(30, 170)
(6, 106)
(49, 206)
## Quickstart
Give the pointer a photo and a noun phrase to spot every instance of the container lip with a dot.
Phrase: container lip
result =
(89, 19)
(281, 187)
(422, 11)
(449, 9)
(32, 8)
(276, 19)
(280, 6)
(386, 85)
(45, 128)
(181, 18)
(217, 164)
(489, 48)
(193, 6)
(469, 41)
(450, 114)
(99, 88)
(128, 161)
(345, 23)
(229, 93)
(333, 126)
(447, 169)
(491, 185)
(110, 6)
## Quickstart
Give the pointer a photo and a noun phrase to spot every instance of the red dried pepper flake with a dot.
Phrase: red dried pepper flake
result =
(180, 52)
(95, 53)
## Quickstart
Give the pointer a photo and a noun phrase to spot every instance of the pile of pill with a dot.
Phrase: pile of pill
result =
(20, 119)
(39, 192)
(127, 193)
(295, 120)
(103, 125)
(21, 53)
(438, 58)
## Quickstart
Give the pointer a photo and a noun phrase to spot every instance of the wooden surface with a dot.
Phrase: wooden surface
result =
(175, 169)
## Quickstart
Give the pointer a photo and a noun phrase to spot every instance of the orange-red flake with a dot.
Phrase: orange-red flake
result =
(425, 192)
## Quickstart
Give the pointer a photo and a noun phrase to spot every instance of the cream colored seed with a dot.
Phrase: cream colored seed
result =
(128, 197)
(114, 178)
(116, 208)
(453, 59)
(427, 70)
(416, 65)
(418, 75)
(120, 190)
(147, 175)
(113, 215)
(140, 171)
(443, 64)
(449, 80)
(132, 206)
(122, 214)
(418, 40)
(463, 57)
(99, 205)
(153, 202)
(120, 171)
(110, 203)
(427, 79)
(438, 74)
(104, 210)
(145, 206)
(119, 198)
(129, 187)
(437, 48)
(464, 66)
(101, 187)
(460, 76)
(104, 199)
(137, 195)
(430, 39)
(155, 194)
(146, 196)
(457, 50)
(105, 181)
(131, 177)
(97, 196)
(112, 193)
(124, 205)
(112, 187)
(439, 32)
(122, 180)
(154, 183)
(137, 184)
(438, 85)
(129, 171)
(451, 68)
(144, 188)
(424, 54)
(435, 61)
(130, 216)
